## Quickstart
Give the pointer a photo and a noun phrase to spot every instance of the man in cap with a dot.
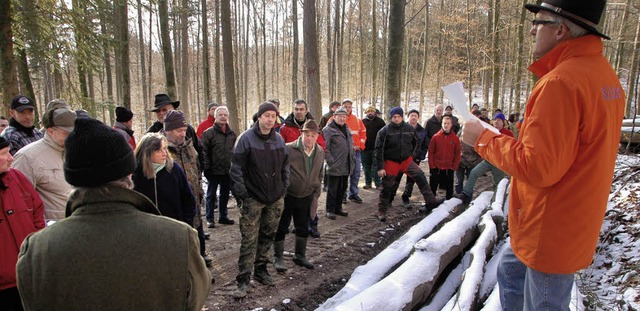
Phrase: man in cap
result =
(111, 239)
(162, 105)
(21, 130)
(340, 159)
(209, 121)
(325, 117)
(359, 137)
(394, 153)
(42, 162)
(124, 125)
(21, 213)
(183, 152)
(306, 158)
(260, 175)
(418, 155)
(561, 171)
(373, 124)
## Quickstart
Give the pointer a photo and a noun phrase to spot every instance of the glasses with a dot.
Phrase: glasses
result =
(537, 22)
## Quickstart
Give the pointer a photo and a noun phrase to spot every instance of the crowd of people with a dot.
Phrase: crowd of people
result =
(93, 217)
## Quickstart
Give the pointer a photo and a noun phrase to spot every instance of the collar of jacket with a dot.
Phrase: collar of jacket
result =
(218, 128)
(49, 142)
(123, 127)
(298, 144)
(186, 144)
(27, 130)
(581, 46)
(399, 125)
(108, 194)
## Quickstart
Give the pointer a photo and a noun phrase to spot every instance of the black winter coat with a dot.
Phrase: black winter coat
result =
(373, 126)
(396, 142)
(217, 147)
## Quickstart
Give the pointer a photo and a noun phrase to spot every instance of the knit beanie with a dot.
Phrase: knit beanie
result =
(3, 143)
(499, 116)
(123, 114)
(413, 111)
(266, 106)
(395, 111)
(341, 110)
(174, 119)
(96, 154)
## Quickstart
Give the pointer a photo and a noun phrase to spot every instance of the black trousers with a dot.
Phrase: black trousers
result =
(10, 299)
(297, 209)
(442, 178)
(337, 187)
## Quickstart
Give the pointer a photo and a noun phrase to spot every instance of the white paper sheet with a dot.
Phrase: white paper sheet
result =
(455, 94)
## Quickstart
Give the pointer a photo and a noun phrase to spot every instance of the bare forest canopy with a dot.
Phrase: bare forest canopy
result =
(102, 53)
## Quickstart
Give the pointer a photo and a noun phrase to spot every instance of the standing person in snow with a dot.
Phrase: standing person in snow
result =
(124, 125)
(305, 161)
(444, 157)
(395, 146)
(373, 124)
(455, 123)
(419, 153)
(209, 121)
(182, 151)
(260, 175)
(561, 171)
(113, 250)
(434, 124)
(340, 158)
(21, 213)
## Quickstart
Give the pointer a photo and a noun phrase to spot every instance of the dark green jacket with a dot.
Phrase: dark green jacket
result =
(112, 252)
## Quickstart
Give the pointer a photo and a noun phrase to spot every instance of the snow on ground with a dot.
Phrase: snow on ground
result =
(612, 281)
(422, 265)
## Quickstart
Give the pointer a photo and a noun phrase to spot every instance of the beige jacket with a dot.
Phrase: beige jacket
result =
(42, 163)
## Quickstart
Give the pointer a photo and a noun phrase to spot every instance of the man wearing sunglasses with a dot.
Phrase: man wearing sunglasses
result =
(561, 171)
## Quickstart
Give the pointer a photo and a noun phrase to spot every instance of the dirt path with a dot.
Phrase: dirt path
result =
(346, 243)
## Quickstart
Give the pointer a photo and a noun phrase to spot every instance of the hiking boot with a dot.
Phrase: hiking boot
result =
(207, 235)
(366, 187)
(462, 196)
(344, 200)
(342, 213)
(207, 261)
(278, 257)
(382, 216)
(261, 275)
(313, 232)
(300, 258)
(241, 291)
(355, 198)
(211, 224)
(406, 203)
(331, 216)
(429, 206)
(226, 221)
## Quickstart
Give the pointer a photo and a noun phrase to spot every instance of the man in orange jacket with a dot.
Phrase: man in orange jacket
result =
(561, 171)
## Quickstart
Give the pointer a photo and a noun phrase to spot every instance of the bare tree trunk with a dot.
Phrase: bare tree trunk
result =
(8, 72)
(468, 49)
(329, 45)
(143, 67)
(374, 54)
(394, 54)
(184, 75)
(25, 78)
(122, 45)
(425, 52)
(633, 75)
(495, 50)
(163, 12)
(520, 58)
(227, 51)
(216, 52)
(362, 51)
(312, 58)
(206, 71)
(620, 38)
(406, 73)
(334, 52)
(106, 57)
(294, 62)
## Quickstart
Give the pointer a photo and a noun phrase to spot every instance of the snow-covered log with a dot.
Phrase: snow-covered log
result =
(375, 269)
(411, 283)
(491, 271)
(449, 286)
(468, 295)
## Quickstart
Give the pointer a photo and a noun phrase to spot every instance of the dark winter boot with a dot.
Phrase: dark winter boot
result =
(261, 275)
(241, 291)
(278, 259)
(300, 258)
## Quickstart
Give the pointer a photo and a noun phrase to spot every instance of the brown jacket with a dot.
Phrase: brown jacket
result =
(305, 177)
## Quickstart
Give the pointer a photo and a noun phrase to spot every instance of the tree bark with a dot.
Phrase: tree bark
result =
(170, 79)
(227, 51)
(394, 54)
(520, 58)
(23, 69)
(425, 59)
(495, 49)
(184, 59)
(294, 62)
(206, 73)
(143, 79)
(8, 72)
(312, 58)
(216, 52)
(122, 44)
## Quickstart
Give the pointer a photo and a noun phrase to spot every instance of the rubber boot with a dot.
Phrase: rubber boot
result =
(278, 259)
(261, 275)
(300, 258)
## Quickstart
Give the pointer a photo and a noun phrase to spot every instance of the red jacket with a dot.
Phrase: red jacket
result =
(290, 131)
(561, 171)
(204, 125)
(22, 214)
(445, 151)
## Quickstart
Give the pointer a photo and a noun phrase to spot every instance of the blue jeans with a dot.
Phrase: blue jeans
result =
(478, 171)
(355, 175)
(224, 181)
(370, 166)
(523, 288)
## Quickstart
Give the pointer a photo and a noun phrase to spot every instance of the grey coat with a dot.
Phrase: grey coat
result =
(112, 252)
(339, 153)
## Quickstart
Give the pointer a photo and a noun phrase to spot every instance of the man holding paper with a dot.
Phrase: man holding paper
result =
(561, 171)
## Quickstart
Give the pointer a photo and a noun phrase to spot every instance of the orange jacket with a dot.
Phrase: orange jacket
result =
(358, 130)
(562, 171)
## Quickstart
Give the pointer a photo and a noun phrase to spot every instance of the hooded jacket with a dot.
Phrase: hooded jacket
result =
(105, 254)
(562, 171)
(260, 166)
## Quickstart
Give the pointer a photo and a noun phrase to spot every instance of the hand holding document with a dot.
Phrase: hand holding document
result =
(455, 94)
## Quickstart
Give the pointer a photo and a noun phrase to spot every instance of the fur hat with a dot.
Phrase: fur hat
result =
(96, 154)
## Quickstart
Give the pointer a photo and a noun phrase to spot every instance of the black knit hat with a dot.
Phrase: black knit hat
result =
(123, 114)
(266, 106)
(96, 154)
(3, 143)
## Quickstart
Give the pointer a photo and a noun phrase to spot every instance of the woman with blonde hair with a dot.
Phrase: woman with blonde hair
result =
(162, 180)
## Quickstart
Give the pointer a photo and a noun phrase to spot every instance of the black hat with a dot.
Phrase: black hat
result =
(123, 114)
(266, 106)
(21, 102)
(96, 154)
(3, 143)
(584, 13)
(163, 100)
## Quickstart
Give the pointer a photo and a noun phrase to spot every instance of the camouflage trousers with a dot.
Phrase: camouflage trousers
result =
(258, 225)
